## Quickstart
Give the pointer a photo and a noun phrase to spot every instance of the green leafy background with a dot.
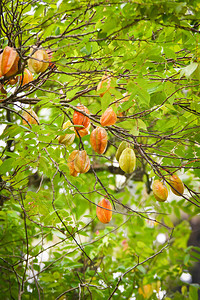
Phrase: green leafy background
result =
(52, 246)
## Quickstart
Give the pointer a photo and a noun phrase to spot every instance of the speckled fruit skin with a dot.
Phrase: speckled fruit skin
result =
(80, 119)
(122, 146)
(99, 140)
(9, 62)
(82, 162)
(127, 160)
(177, 186)
(104, 215)
(39, 61)
(160, 191)
(30, 116)
(108, 118)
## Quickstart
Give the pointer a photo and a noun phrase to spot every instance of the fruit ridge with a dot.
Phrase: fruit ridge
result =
(122, 146)
(159, 190)
(39, 61)
(108, 118)
(82, 162)
(9, 62)
(127, 160)
(80, 119)
(177, 186)
(68, 138)
(99, 139)
(104, 215)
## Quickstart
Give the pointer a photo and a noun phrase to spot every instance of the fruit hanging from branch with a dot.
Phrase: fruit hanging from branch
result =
(176, 185)
(159, 190)
(108, 118)
(127, 160)
(104, 213)
(82, 132)
(39, 61)
(81, 119)
(99, 140)
(68, 138)
(9, 59)
(82, 162)
(122, 146)
(70, 163)
(30, 116)
(26, 77)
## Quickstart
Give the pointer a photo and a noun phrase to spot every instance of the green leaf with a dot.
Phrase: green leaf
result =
(57, 31)
(189, 70)
(193, 292)
(6, 166)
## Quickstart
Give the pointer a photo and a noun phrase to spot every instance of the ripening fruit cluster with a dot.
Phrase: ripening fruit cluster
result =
(80, 128)
(125, 155)
(160, 190)
(10, 62)
(78, 162)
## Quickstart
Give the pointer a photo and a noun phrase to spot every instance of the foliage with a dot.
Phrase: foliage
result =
(52, 244)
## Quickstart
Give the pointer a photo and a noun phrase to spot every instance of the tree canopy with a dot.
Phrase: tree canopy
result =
(70, 67)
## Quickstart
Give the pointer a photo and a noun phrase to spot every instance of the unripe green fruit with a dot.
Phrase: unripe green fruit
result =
(122, 146)
(127, 160)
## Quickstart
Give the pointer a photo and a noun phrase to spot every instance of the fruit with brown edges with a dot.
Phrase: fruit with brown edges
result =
(127, 160)
(9, 59)
(70, 163)
(159, 190)
(176, 185)
(81, 119)
(39, 61)
(122, 146)
(82, 162)
(68, 138)
(108, 118)
(30, 117)
(99, 140)
(104, 84)
(104, 213)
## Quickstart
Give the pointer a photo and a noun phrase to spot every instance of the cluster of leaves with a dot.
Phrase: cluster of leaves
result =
(52, 245)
